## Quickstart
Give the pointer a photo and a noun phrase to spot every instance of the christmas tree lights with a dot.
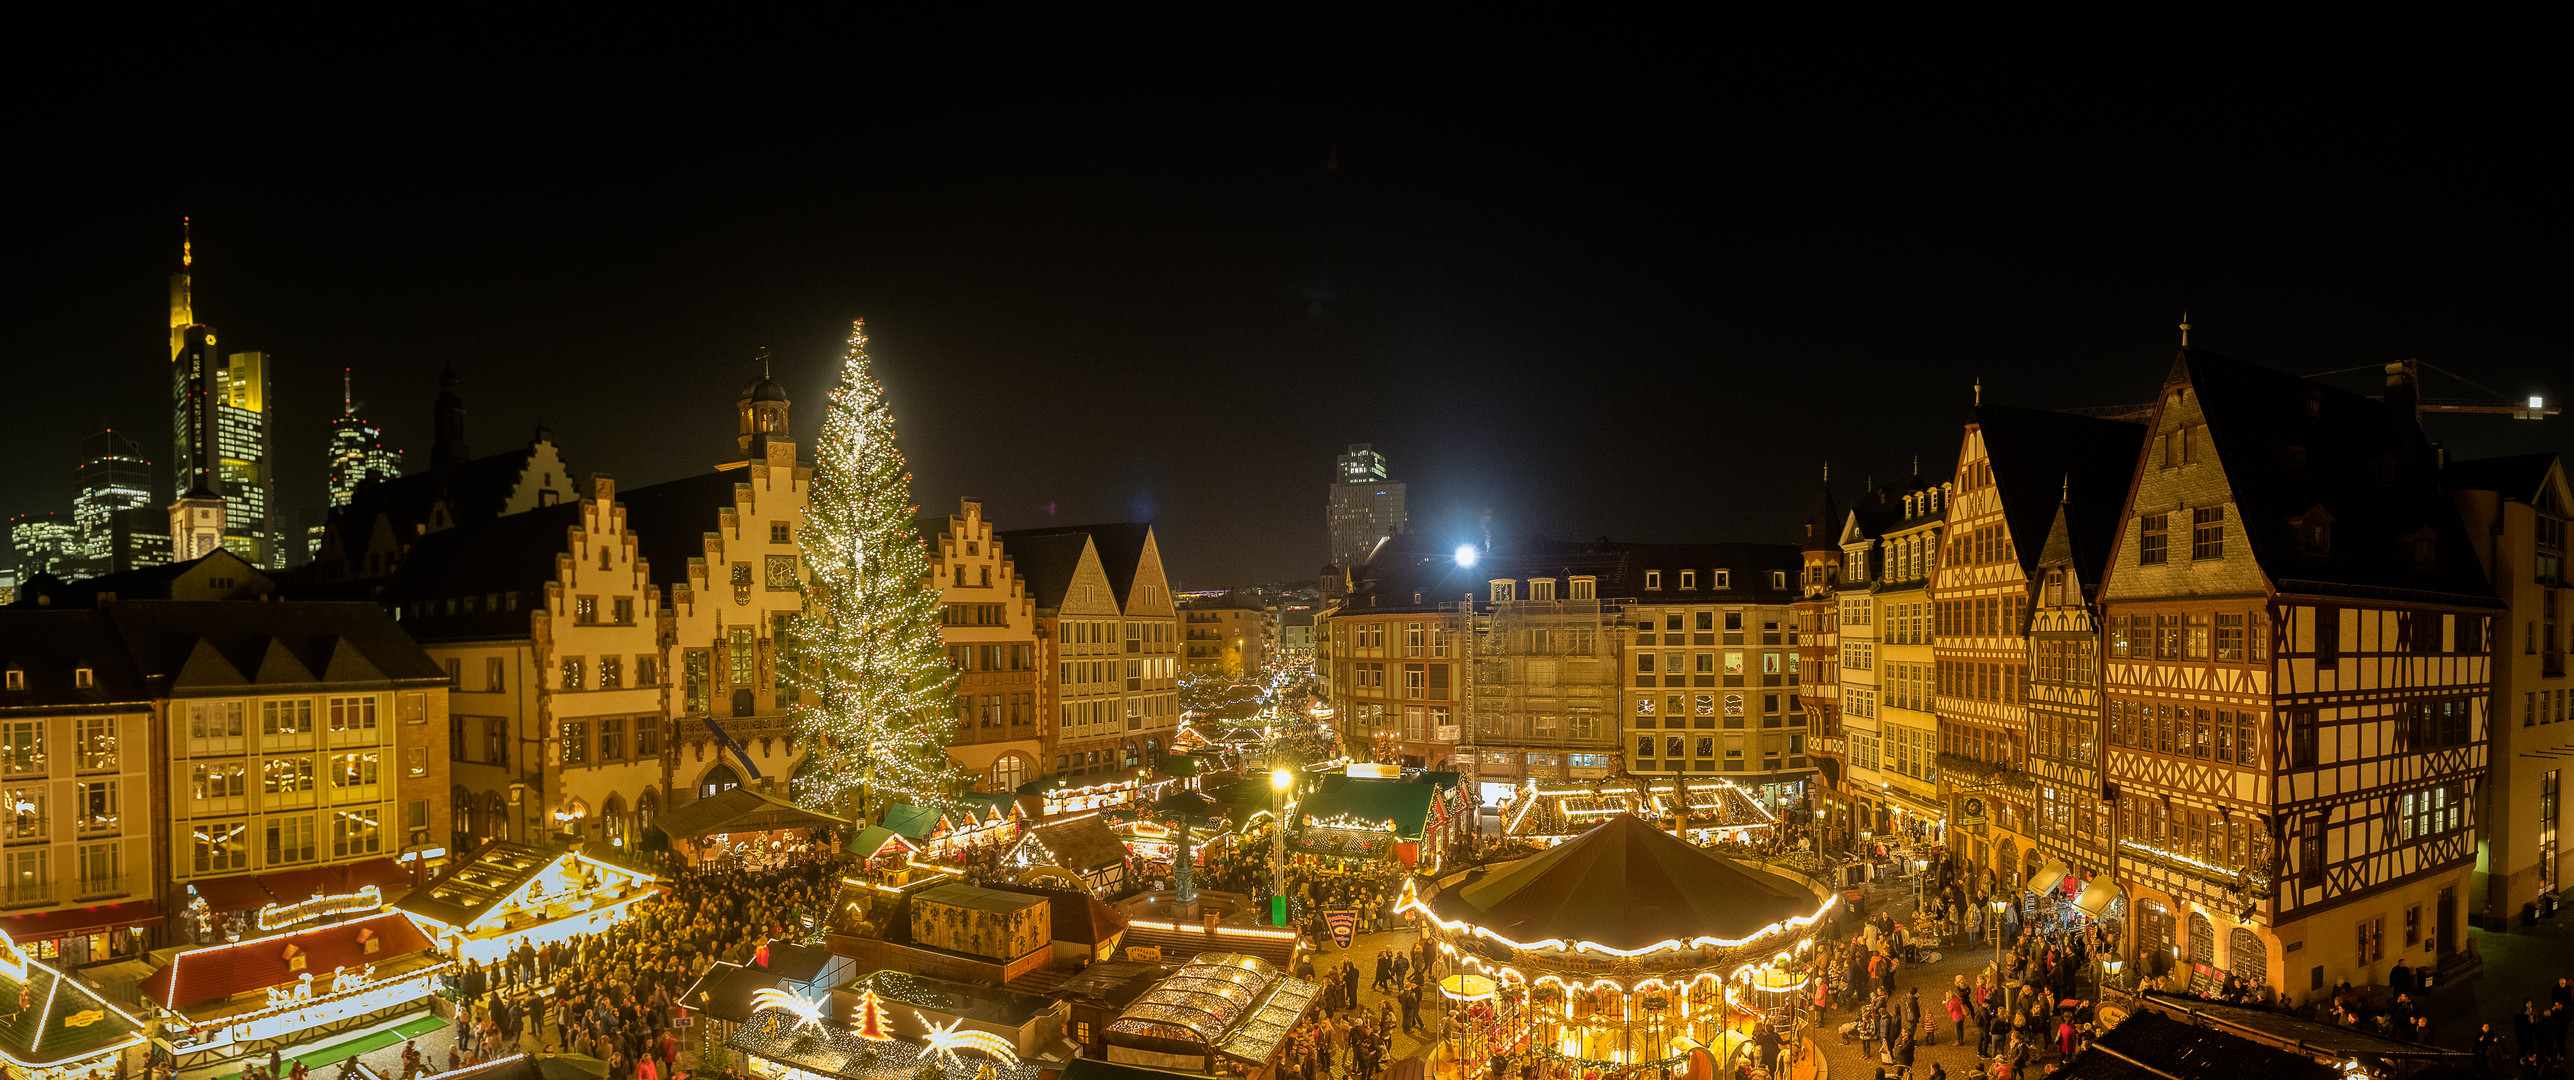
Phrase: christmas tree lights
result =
(875, 673)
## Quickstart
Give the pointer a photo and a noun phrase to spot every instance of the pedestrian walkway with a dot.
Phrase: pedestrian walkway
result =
(385, 1042)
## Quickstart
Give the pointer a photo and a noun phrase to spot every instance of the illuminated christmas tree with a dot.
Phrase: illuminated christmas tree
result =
(870, 1021)
(874, 666)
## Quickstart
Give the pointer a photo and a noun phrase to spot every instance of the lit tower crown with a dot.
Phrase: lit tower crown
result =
(763, 411)
(358, 453)
(183, 311)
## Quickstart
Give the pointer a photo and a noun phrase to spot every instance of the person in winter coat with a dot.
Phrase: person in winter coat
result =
(1957, 1012)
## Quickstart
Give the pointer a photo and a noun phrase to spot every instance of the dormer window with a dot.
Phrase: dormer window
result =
(1541, 588)
(1689, 579)
(17, 679)
(1653, 579)
(1585, 587)
(1778, 579)
(2314, 532)
(83, 678)
(1504, 590)
(1724, 579)
(2424, 546)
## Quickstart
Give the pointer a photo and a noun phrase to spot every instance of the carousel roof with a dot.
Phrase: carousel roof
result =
(1626, 885)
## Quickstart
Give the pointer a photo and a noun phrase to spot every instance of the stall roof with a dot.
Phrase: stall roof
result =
(1112, 984)
(472, 888)
(739, 809)
(54, 1029)
(797, 963)
(989, 1004)
(1406, 803)
(1230, 1003)
(876, 839)
(1081, 843)
(724, 992)
(914, 822)
(220, 971)
(1095, 1069)
(2151, 1046)
(1079, 917)
(1627, 885)
(2274, 1024)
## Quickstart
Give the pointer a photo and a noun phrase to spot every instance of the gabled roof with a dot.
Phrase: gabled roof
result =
(1081, 843)
(914, 822)
(65, 1023)
(724, 991)
(2040, 458)
(1403, 802)
(48, 647)
(512, 554)
(2520, 477)
(739, 809)
(1046, 560)
(185, 645)
(1627, 885)
(2366, 467)
(1120, 547)
(669, 521)
(473, 887)
(220, 971)
(1748, 580)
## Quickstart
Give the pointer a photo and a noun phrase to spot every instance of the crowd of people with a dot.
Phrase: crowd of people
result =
(1342, 1030)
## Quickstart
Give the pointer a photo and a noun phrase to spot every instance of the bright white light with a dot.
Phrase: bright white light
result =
(1466, 552)
(2537, 402)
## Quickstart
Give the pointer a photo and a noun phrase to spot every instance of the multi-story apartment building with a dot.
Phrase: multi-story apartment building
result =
(990, 625)
(1899, 610)
(1109, 640)
(2015, 466)
(1398, 678)
(1365, 506)
(1818, 647)
(2064, 697)
(2299, 641)
(1228, 636)
(1712, 667)
(291, 736)
(2515, 510)
(78, 829)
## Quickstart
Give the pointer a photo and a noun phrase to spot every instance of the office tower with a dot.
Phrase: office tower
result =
(118, 527)
(1365, 506)
(358, 452)
(219, 424)
(43, 544)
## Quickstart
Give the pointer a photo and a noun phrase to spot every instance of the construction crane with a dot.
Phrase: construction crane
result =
(2495, 404)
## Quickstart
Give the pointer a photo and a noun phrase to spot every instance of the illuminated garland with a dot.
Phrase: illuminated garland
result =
(276, 916)
(1412, 902)
(876, 681)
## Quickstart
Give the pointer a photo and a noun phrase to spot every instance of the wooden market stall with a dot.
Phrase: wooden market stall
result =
(509, 894)
(64, 1030)
(1706, 812)
(1080, 849)
(247, 996)
(1351, 823)
(737, 821)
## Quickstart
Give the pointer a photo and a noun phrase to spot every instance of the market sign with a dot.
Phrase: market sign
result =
(278, 916)
(301, 1013)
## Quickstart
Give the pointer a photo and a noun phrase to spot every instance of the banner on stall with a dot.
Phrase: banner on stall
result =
(1343, 924)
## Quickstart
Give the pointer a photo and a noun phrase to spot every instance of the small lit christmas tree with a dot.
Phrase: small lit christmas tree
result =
(876, 675)
(870, 1021)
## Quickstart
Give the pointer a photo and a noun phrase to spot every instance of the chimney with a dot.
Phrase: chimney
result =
(2404, 392)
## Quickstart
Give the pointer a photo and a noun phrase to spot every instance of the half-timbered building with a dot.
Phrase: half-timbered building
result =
(2297, 683)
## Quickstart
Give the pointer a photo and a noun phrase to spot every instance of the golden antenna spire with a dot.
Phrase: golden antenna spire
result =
(2185, 329)
(187, 245)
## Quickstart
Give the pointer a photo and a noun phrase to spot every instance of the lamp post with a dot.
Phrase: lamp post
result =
(1279, 781)
(1999, 906)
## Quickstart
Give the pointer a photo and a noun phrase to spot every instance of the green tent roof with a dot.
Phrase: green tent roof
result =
(914, 822)
(1405, 803)
(872, 841)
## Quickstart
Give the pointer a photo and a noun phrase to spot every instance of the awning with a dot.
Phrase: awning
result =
(52, 924)
(240, 892)
(2097, 898)
(2049, 876)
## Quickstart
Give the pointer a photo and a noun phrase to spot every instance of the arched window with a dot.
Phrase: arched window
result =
(2204, 975)
(1153, 753)
(612, 819)
(2246, 958)
(496, 817)
(467, 815)
(1130, 753)
(647, 807)
(718, 780)
(1009, 772)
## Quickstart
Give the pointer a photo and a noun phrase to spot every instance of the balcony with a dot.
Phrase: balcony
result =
(16, 828)
(29, 894)
(103, 888)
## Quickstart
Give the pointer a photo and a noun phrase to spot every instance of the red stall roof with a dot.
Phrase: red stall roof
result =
(220, 971)
(51, 924)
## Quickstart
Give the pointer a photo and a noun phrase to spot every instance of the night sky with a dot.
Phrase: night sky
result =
(1639, 285)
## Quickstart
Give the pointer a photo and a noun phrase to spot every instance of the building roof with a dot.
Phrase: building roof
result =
(2521, 476)
(1121, 553)
(220, 971)
(1747, 583)
(1081, 843)
(2041, 458)
(724, 991)
(512, 555)
(1111, 984)
(1078, 917)
(49, 647)
(1406, 803)
(989, 1004)
(67, 1022)
(2151, 1046)
(1627, 885)
(670, 520)
(181, 646)
(2263, 1023)
(2362, 464)
(739, 809)
(140, 583)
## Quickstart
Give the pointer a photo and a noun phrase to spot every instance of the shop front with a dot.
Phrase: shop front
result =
(247, 997)
(81, 936)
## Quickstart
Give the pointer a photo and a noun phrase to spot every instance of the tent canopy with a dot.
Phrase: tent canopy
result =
(739, 809)
(1627, 885)
(1406, 803)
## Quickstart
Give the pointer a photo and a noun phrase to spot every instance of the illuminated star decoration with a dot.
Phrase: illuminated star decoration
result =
(948, 1040)
(807, 1011)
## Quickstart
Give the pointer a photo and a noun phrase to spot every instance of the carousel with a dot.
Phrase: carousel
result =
(1623, 951)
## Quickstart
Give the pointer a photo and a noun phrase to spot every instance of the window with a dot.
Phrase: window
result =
(2207, 532)
(2302, 739)
(219, 846)
(646, 672)
(94, 739)
(2177, 448)
(1689, 579)
(694, 679)
(495, 674)
(278, 718)
(17, 679)
(576, 742)
(287, 780)
(585, 610)
(102, 869)
(416, 761)
(22, 747)
(1778, 579)
(2151, 537)
(2328, 635)
(1653, 579)
(356, 832)
(778, 533)
(647, 737)
(218, 780)
(353, 713)
(571, 673)
(612, 672)
(290, 840)
(2229, 639)
(2194, 641)
(96, 808)
(2372, 939)
(356, 770)
(1583, 587)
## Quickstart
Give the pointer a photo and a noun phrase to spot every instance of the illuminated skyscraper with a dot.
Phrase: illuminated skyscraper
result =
(1365, 506)
(357, 450)
(43, 544)
(119, 528)
(219, 425)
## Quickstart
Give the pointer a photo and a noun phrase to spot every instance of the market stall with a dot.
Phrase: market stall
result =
(1080, 849)
(1611, 948)
(742, 823)
(1706, 812)
(792, 1037)
(510, 894)
(61, 1030)
(245, 997)
(1351, 824)
(1224, 1014)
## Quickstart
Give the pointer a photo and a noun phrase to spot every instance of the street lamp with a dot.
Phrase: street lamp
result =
(1999, 906)
(1279, 782)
